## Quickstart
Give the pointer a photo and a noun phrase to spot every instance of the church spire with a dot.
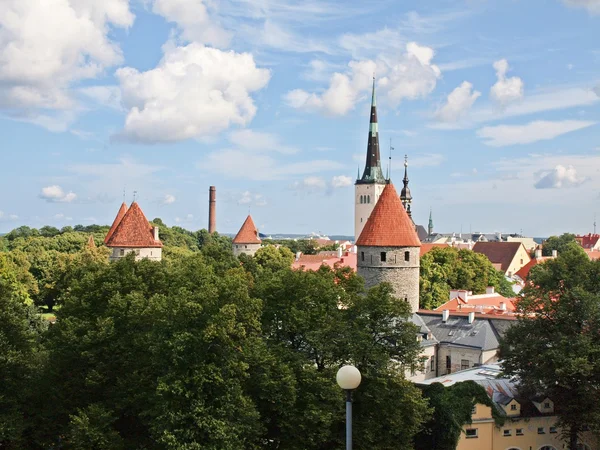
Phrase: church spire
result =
(430, 226)
(373, 172)
(405, 193)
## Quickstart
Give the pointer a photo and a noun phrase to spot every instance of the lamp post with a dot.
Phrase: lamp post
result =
(348, 378)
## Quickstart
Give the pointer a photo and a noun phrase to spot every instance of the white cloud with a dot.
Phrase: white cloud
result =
(194, 21)
(56, 194)
(593, 6)
(458, 103)
(46, 46)
(506, 90)
(194, 91)
(502, 135)
(560, 177)
(341, 181)
(109, 96)
(251, 199)
(259, 141)
(168, 199)
(409, 76)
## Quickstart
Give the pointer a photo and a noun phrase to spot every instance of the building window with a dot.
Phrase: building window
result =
(521, 261)
(464, 364)
(506, 433)
(361, 199)
(245, 246)
(432, 364)
(448, 364)
(513, 407)
(474, 409)
(547, 447)
(519, 431)
(383, 257)
(553, 430)
(541, 430)
(368, 199)
(406, 256)
(547, 405)
(122, 252)
(471, 433)
(362, 256)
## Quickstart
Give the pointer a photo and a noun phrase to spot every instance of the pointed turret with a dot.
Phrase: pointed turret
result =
(91, 243)
(430, 226)
(373, 172)
(116, 222)
(247, 240)
(405, 193)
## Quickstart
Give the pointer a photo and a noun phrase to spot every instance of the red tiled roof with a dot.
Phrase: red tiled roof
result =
(120, 215)
(248, 234)
(595, 254)
(426, 248)
(483, 304)
(91, 243)
(389, 224)
(588, 240)
(134, 231)
(498, 252)
(523, 272)
(314, 262)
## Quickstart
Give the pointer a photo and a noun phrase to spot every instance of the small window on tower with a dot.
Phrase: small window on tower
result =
(406, 256)
(361, 199)
(383, 257)
(368, 199)
(362, 256)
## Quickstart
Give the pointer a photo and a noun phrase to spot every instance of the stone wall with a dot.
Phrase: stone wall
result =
(401, 273)
(457, 355)
(154, 254)
(248, 249)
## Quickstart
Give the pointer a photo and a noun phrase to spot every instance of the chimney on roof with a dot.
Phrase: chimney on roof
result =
(502, 306)
(339, 251)
(554, 253)
(471, 317)
(538, 253)
(298, 254)
(212, 209)
(155, 232)
(489, 290)
(463, 295)
(445, 315)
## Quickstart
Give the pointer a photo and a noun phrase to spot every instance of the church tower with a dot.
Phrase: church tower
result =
(369, 187)
(405, 195)
(430, 226)
(388, 249)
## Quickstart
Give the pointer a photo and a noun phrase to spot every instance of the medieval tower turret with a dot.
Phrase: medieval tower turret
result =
(369, 187)
(388, 248)
(247, 240)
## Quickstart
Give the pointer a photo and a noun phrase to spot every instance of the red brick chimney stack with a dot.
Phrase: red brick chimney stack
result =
(212, 209)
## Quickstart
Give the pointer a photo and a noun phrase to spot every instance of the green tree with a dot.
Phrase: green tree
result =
(452, 406)
(554, 348)
(443, 269)
(20, 355)
(560, 244)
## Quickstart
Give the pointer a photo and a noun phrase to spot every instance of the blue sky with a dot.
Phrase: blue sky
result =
(496, 104)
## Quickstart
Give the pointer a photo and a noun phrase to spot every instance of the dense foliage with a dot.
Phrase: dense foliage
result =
(443, 269)
(554, 348)
(561, 244)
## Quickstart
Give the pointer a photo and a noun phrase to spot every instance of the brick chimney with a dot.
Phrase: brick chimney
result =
(212, 209)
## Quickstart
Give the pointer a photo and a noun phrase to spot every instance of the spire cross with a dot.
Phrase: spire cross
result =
(134, 195)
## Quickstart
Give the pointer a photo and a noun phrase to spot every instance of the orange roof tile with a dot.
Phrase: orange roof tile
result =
(523, 272)
(120, 214)
(389, 224)
(588, 240)
(426, 248)
(498, 252)
(134, 231)
(91, 243)
(593, 254)
(484, 304)
(248, 234)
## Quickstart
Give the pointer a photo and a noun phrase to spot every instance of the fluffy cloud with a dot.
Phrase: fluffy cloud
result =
(251, 199)
(560, 177)
(193, 21)
(502, 135)
(194, 91)
(341, 181)
(593, 6)
(506, 90)
(56, 194)
(46, 46)
(411, 76)
(458, 103)
(168, 199)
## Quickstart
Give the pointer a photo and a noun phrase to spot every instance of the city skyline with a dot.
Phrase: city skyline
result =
(269, 101)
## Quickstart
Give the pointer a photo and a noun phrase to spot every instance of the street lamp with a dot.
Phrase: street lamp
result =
(348, 378)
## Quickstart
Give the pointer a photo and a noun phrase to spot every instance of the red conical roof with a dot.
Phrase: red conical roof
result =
(133, 230)
(91, 243)
(248, 234)
(389, 224)
(116, 222)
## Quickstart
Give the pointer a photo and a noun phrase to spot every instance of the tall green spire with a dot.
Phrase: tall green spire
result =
(373, 173)
(430, 227)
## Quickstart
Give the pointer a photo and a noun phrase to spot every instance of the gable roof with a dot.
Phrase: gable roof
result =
(501, 253)
(426, 248)
(133, 231)
(523, 272)
(389, 224)
(588, 240)
(248, 234)
(458, 331)
(483, 304)
(115, 224)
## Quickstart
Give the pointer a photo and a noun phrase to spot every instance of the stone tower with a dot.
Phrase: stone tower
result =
(247, 240)
(369, 187)
(388, 248)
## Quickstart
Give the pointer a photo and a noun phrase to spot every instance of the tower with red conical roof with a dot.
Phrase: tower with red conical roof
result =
(369, 187)
(132, 233)
(247, 240)
(388, 248)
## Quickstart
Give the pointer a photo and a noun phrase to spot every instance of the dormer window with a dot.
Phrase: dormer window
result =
(513, 407)
(547, 405)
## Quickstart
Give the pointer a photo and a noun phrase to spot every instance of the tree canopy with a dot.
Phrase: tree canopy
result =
(443, 269)
(560, 243)
(554, 348)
